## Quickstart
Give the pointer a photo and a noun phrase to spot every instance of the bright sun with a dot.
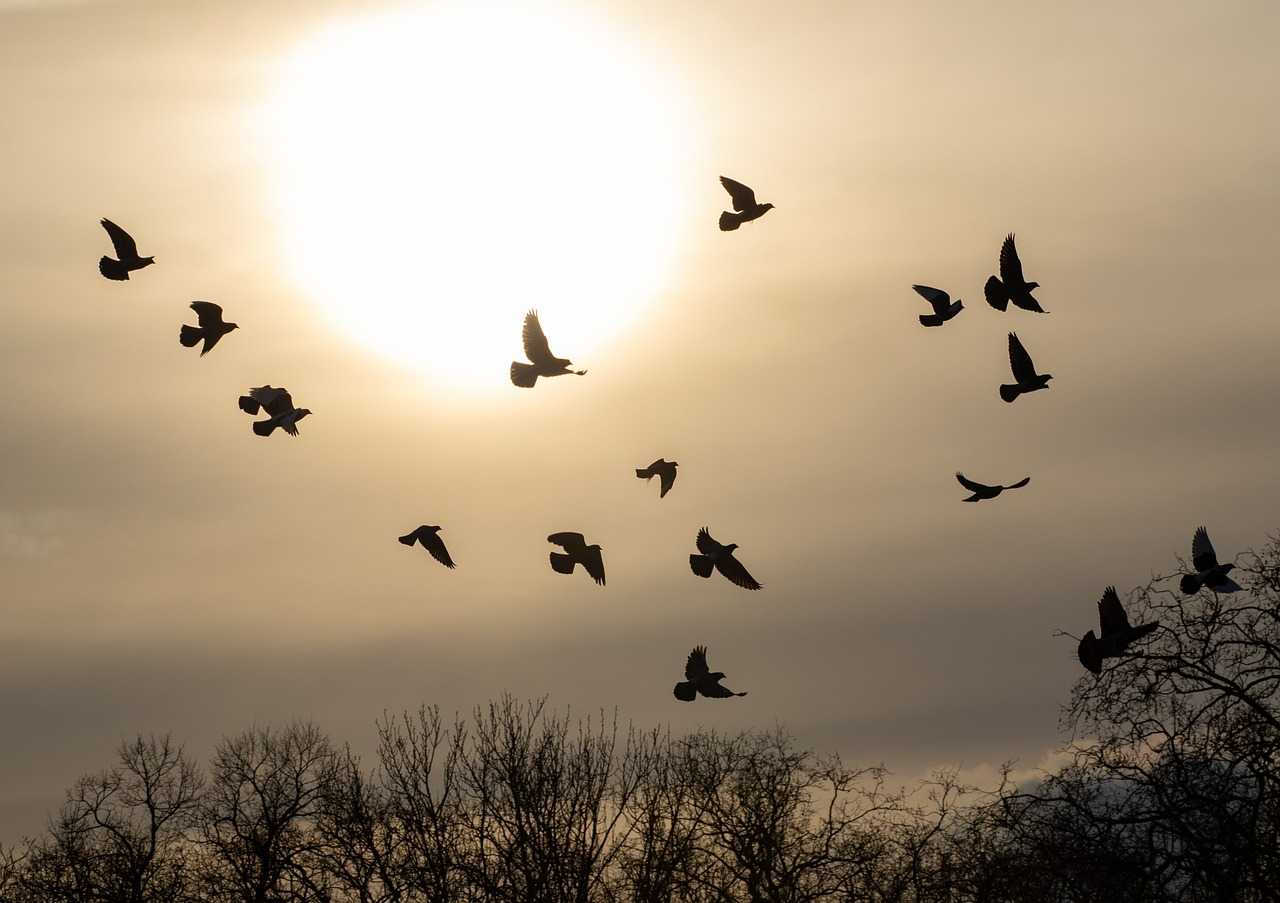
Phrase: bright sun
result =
(441, 171)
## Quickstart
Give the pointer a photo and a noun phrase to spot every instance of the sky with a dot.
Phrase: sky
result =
(164, 569)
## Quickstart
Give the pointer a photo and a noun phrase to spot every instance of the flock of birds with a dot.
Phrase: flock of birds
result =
(1010, 287)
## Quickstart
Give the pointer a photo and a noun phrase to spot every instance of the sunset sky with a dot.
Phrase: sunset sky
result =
(377, 193)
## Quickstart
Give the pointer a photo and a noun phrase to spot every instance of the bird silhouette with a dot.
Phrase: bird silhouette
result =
(1024, 371)
(428, 535)
(536, 349)
(720, 558)
(982, 491)
(744, 203)
(277, 404)
(943, 307)
(701, 679)
(662, 468)
(211, 328)
(1208, 573)
(576, 551)
(126, 251)
(1117, 633)
(1011, 286)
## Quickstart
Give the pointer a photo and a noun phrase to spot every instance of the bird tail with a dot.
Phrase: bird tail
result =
(523, 375)
(190, 335)
(113, 269)
(685, 691)
(408, 539)
(561, 563)
(701, 565)
(931, 320)
(729, 221)
(1010, 392)
(997, 294)
(1189, 584)
(249, 405)
(265, 427)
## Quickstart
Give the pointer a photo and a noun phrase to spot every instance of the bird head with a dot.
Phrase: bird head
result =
(730, 547)
(1048, 376)
(675, 463)
(231, 326)
(716, 675)
(434, 528)
(766, 206)
(303, 412)
(1031, 286)
(594, 547)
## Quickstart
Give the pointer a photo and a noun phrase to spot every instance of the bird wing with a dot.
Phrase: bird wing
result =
(269, 396)
(536, 348)
(207, 313)
(696, 666)
(940, 300)
(737, 574)
(668, 475)
(432, 542)
(971, 485)
(1111, 613)
(1010, 265)
(126, 247)
(593, 561)
(1018, 485)
(1020, 362)
(1202, 555)
(570, 541)
(743, 197)
(707, 545)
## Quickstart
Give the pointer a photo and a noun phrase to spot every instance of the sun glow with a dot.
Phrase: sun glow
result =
(441, 171)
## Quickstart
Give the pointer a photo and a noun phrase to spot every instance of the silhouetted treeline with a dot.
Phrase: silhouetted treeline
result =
(1168, 793)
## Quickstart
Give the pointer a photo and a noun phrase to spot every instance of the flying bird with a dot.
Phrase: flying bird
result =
(428, 535)
(1208, 573)
(1117, 633)
(662, 468)
(982, 491)
(720, 558)
(943, 307)
(576, 551)
(744, 204)
(538, 351)
(701, 679)
(211, 328)
(126, 251)
(1010, 286)
(277, 404)
(1024, 371)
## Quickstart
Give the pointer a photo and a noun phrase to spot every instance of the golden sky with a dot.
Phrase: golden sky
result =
(161, 568)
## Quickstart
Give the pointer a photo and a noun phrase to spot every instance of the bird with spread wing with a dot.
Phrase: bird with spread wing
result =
(982, 491)
(1117, 633)
(1209, 573)
(1024, 371)
(126, 252)
(212, 327)
(428, 536)
(1010, 286)
(699, 678)
(720, 558)
(277, 404)
(538, 351)
(943, 307)
(663, 469)
(576, 551)
(745, 206)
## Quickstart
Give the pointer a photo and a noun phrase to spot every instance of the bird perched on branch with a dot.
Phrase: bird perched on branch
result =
(1208, 573)
(126, 251)
(744, 204)
(428, 535)
(717, 557)
(1024, 371)
(943, 307)
(982, 491)
(701, 679)
(277, 404)
(1117, 633)
(665, 470)
(1010, 286)
(211, 328)
(576, 551)
(543, 362)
